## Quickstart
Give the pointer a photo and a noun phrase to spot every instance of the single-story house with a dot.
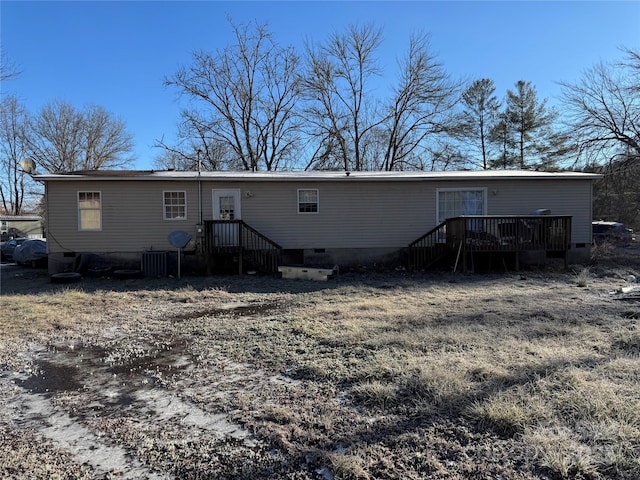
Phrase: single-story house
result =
(312, 218)
(20, 226)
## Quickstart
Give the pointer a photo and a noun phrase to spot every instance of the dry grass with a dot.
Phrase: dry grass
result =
(583, 276)
(383, 377)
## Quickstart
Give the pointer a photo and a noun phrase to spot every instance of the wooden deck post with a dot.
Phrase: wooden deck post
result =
(240, 248)
(464, 258)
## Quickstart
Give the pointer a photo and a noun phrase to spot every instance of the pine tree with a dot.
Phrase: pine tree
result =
(501, 136)
(480, 114)
(531, 124)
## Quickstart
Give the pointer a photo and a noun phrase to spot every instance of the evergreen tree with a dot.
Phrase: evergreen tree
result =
(480, 116)
(500, 135)
(531, 125)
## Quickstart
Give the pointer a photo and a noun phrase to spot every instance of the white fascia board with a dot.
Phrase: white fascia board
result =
(325, 176)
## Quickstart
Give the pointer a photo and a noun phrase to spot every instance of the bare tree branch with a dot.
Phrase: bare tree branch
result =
(13, 133)
(246, 96)
(8, 68)
(422, 105)
(63, 139)
(338, 110)
(603, 108)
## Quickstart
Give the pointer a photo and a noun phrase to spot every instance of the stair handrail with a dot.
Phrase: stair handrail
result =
(433, 241)
(429, 233)
(263, 237)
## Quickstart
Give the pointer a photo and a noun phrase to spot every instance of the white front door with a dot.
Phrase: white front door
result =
(226, 206)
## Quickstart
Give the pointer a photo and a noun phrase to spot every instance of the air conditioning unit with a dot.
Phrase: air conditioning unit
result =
(154, 264)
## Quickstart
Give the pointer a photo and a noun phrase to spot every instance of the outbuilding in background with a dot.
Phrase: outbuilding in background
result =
(21, 226)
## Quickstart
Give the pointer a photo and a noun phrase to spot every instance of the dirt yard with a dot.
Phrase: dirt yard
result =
(530, 375)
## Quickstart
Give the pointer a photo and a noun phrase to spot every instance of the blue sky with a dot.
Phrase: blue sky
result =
(116, 54)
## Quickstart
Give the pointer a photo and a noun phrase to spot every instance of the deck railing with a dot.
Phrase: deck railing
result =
(236, 237)
(454, 238)
(429, 248)
(466, 235)
(511, 233)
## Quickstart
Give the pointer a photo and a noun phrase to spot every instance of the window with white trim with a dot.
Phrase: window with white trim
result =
(175, 205)
(308, 200)
(89, 211)
(454, 202)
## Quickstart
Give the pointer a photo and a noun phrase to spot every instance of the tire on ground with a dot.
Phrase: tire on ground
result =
(66, 277)
(81, 263)
(127, 273)
(98, 271)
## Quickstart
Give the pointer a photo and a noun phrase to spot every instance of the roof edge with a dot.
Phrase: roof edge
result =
(172, 175)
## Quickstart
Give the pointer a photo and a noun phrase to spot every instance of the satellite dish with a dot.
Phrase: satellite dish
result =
(179, 239)
(28, 165)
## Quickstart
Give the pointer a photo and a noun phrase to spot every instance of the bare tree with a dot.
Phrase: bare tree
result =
(192, 155)
(106, 140)
(13, 131)
(335, 87)
(357, 131)
(616, 195)
(243, 97)
(422, 105)
(196, 148)
(440, 155)
(325, 123)
(632, 66)
(63, 139)
(603, 108)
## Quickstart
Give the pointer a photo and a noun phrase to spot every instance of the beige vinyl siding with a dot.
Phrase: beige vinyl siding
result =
(132, 216)
(368, 215)
(358, 214)
(561, 197)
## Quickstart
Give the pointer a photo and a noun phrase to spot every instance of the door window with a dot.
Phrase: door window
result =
(227, 209)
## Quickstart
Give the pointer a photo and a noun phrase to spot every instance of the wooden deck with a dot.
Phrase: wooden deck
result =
(459, 242)
(463, 237)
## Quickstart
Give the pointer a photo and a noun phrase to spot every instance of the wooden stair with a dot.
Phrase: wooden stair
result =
(253, 250)
(430, 249)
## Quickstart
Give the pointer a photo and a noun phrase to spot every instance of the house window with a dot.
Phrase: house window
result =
(454, 202)
(308, 200)
(175, 205)
(89, 211)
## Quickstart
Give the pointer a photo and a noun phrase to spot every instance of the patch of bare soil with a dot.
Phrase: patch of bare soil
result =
(522, 375)
(79, 397)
